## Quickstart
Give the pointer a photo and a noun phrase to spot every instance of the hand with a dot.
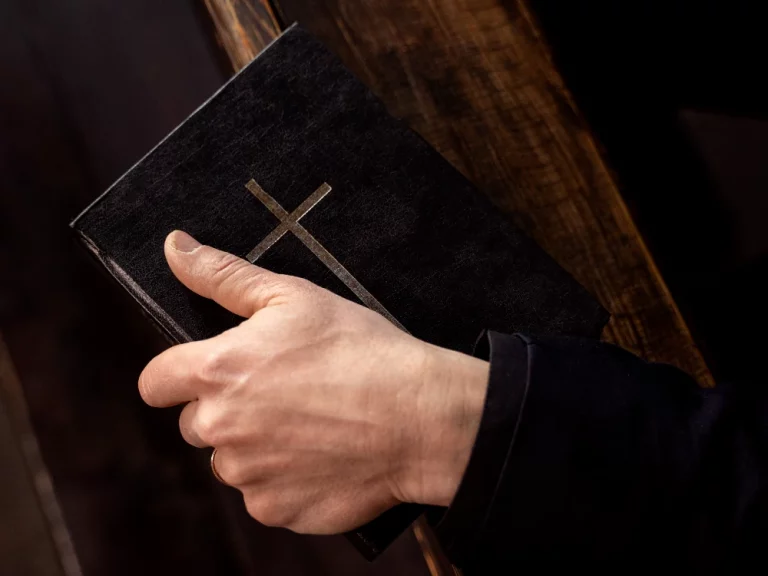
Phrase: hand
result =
(324, 414)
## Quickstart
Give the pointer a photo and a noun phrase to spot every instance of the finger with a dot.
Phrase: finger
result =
(232, 282)
(171, 378)
(187, 425)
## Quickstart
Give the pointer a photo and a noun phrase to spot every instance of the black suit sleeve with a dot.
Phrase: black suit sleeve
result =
(588, 457)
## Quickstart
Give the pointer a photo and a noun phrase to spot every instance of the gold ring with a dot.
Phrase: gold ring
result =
(213, 468)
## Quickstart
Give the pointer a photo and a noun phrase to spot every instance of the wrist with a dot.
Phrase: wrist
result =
(449, 407)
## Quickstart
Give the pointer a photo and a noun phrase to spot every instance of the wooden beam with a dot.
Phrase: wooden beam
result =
(242, 28)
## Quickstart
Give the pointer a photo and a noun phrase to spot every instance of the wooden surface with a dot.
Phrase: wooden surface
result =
(476, 79)
(242, 28)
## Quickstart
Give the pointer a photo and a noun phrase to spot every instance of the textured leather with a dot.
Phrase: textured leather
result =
(400, 218)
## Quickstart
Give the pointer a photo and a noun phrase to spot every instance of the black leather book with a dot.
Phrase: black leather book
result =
(296, 165)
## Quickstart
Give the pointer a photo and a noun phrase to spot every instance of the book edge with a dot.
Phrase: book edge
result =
(161, 318)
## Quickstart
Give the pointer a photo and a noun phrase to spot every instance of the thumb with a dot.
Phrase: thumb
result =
(232, 282)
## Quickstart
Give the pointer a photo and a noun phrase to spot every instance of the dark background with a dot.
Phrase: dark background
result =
(675, 92)
(87, 87)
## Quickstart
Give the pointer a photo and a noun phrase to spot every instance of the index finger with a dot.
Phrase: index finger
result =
(170, 378)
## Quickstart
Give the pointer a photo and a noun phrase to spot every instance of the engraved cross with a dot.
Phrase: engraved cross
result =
(290, 223)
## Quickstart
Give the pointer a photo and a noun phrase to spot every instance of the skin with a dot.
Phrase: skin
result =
(322, 412)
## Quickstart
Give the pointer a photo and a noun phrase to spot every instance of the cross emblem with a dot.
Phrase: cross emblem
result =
(290, 223)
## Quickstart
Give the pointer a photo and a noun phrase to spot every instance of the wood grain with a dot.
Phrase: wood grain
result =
(476, 79)
(242, 28)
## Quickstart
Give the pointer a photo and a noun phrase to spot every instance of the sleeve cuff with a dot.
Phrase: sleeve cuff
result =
(462, 524)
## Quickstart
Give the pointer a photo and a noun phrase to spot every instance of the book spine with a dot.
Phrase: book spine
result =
(160, 318)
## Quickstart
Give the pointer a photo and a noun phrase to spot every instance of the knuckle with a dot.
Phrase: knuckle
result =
(269, 513)
(187, 434)
(263, 287)
(232, 471)
(232, 274)
(213, 365)
(297, 287)
(187, 428)
(281, 289)
(253, 507)
(223, 266)
(184, 428)
(208, 429)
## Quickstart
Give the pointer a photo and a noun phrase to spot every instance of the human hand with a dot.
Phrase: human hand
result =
(323, 413)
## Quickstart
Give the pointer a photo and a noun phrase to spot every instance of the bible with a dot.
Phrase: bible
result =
(295, 165)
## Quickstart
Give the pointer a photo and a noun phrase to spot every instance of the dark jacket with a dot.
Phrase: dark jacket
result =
(589, 458)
